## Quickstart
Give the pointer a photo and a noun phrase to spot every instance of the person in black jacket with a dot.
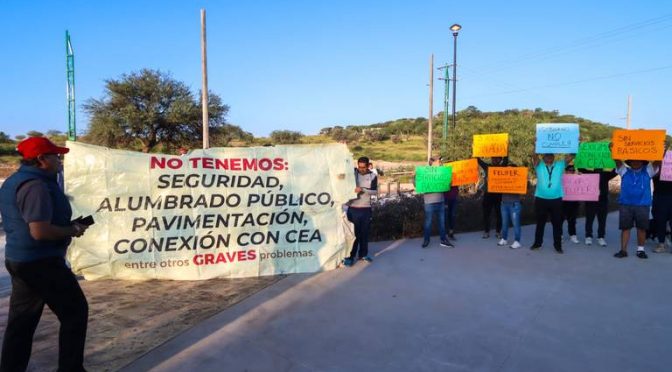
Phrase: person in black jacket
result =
(598, 208)
(491, 201)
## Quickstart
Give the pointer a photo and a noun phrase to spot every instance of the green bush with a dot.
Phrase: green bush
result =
(403, 217)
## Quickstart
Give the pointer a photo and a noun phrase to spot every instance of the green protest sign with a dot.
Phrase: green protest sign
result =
(432, 179)
(594, 155)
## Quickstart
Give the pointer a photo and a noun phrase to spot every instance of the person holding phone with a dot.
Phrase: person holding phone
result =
(36, 217)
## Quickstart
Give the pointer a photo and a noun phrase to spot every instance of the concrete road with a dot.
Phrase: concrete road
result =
(477, 307)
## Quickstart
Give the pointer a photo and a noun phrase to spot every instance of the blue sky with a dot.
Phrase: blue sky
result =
(305, 65)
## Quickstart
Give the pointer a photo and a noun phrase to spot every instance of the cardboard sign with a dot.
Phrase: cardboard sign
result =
(507, 180)
(489, 145)
(666, 170)
(464, 172)
(217, 212)
(557, 138)
(432, 179)
(594, 155)
(581, 187)
(641, 144)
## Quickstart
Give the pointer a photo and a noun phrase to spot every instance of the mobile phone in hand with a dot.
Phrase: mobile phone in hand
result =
(87, 221)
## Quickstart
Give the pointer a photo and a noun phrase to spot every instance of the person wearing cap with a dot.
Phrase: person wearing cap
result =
(37, 217)
(634, 202)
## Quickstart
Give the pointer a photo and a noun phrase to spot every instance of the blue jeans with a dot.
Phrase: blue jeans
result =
(511, 212)
(440, 210)
(361, 218)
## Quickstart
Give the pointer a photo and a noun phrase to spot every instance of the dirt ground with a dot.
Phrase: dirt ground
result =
(127, 319)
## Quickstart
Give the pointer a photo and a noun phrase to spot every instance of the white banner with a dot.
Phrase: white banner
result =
(220, 212)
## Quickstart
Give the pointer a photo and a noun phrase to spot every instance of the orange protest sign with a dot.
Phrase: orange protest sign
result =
(641, 144)
(507, 180)
(464, 172)
(489, 145)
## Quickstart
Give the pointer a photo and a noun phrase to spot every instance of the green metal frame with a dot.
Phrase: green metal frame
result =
(70, 92)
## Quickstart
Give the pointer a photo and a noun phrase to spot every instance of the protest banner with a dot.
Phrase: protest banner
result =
(507, 180)
(432, 179)
(218, 212)
(489, 145)
(666, 169)
(464, 172)
(638, 144)
(581, 187)
(557, 138)
(594, 155)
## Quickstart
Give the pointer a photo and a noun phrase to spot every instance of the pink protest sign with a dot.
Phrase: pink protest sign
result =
(666, 170)
(581, 187)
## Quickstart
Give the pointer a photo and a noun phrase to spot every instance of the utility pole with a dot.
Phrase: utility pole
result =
(431, 106)
(446, 98)
(204, 92)
(627, 117)
(70, 88)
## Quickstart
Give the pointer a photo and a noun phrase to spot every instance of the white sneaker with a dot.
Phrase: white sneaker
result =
(502, 242)
(574, 239)
(515, 245)
(589, 241)
(601, 242)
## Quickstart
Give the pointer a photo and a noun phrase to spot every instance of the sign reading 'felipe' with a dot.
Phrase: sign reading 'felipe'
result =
(220, 212)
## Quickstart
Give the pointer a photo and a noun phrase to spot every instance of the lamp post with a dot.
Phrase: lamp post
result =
(455, 28)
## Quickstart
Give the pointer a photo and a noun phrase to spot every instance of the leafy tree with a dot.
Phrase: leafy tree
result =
(20, 137)
(150, 108)
(4, 138)
(286, 137)
(34, 133)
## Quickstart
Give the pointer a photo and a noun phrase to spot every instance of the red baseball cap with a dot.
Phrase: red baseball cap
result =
(33, 147)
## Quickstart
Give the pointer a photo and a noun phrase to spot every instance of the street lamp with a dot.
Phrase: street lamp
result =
(455, 28)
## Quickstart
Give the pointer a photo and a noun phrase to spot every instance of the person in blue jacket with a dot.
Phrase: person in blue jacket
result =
(37, 217)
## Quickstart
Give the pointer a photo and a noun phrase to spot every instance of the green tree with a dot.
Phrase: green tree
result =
(4, 138)
(34, 133)
(150, 108)
(286, 137)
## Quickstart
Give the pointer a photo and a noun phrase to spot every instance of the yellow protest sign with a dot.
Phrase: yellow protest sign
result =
(464, 172)
(507, 180)
(218, 212)
(641, 144)
(489, 145)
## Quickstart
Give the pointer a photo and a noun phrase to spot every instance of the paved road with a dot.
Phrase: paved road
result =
(477, 307)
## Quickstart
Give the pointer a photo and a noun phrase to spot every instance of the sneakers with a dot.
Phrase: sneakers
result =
(446, 243)
(486, 235)
(574, 239)
(660, 248)
(366, 258)
(621, 254)
(502, 242)
(559, 250)
(589, 241)
(642, 254)
(425, 244)
(535, 247)
(348, 262)
(515, 245)
(601, 242)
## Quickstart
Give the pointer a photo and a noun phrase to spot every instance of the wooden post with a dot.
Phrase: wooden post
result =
(204, 88)
(431, 106)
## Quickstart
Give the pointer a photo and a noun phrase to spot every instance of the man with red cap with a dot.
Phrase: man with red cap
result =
(37, 217)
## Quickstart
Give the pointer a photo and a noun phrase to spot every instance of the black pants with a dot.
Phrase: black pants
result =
(570, 209)
(599, 208)
(492, 202)
(361, 218)
(662, 214)
(34, 284)
(542, 209)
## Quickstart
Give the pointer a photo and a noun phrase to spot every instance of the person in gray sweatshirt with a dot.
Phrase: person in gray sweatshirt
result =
(434, 205)
(360, 212)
